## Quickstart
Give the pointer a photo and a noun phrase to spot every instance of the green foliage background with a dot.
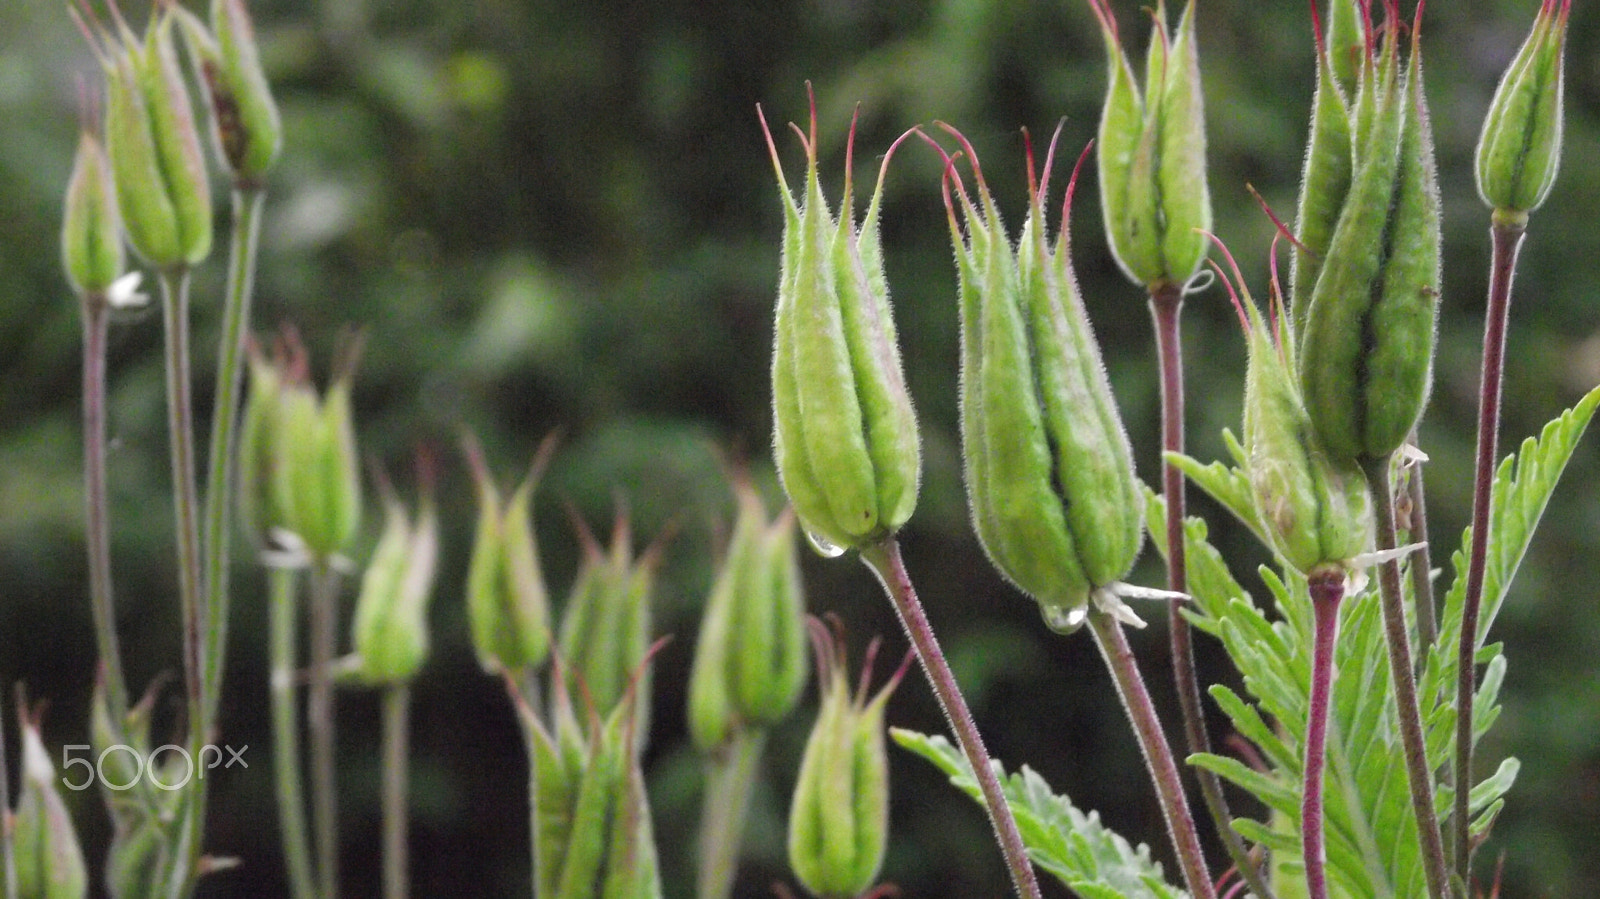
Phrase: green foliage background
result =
(553, 215)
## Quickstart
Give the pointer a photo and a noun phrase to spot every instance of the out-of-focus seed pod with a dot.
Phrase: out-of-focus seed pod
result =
(605, 626)
(153, 144)
(1049, 470)
(839, 819)
(1366, 362)
(244, 116)
(844, 433)
(1317, 512)
(315, 479)
(1153, 153)
(49, 861)
(1520, 148)
(91, 226)
(508, 606)
(390, 625)
(258, 443)
(592, 835)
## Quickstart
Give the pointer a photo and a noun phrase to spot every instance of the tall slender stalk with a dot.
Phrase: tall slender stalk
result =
(185, 496)
(396, 757)
(97, 513)
(1327, 591)
(223, 463)
(884, 560)
(730, 776)
(320, 723)
(1418, 772)
(1505, 240)
(1421, 561)
(1163, 768)
(283, 616)
(1166, 305)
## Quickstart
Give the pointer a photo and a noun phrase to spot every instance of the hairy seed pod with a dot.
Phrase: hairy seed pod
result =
(1520, 148)
(1366, 363)
(508, 606)
(91, 226)
(1049, 470)
(390, 625)
(1325, 177)
(844, 434)
(245, 127)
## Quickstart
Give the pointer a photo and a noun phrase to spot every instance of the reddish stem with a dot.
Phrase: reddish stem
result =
(1327, 591)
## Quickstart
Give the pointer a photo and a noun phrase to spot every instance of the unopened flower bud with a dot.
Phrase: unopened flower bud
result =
(844, 434)
(1366, 362)
(592, 834)
(508, 606)
(839, 819)
(49, 861)
(1520, 148)
(391, 627)
(605, 626)
(1048, 467)
(750, 661)
(244, 117)
(154, 146)
(91, 228)
(1153, 153)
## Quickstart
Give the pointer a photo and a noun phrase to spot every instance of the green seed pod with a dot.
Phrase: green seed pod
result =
(390, 625)
(1520, 148)
(316, 485)
(1345, 46)
(605, 627)
(1317, 513)
(91, 226)
(154, 146)
(1049, 470)
(1367, 358)
(1325, 178)
(259, 512)
(1153, 154)
(839, 819)
(844, 434)
(750, 661)
(592, 835)
(245, 126)
(49, 861)
(508, 606)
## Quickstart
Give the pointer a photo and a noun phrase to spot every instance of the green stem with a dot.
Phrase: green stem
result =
(1421, 561)
(320, 723)
(97, 513)
(223, 462)
(1418, 772)
(282, 613)
(1163, 768)
(185, 496)
(730, 777)
(1166, 304)
(1506, 240)
(396, 725)
(884, 560)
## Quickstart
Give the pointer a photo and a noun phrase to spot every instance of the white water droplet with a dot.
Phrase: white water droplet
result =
(825, 548)
(1064, 620)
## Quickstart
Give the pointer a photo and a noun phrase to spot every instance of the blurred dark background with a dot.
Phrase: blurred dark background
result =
(550, 214)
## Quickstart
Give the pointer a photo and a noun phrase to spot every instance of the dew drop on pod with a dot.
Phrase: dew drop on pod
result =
(1366, 362)
(1048, 467)
(844, 433)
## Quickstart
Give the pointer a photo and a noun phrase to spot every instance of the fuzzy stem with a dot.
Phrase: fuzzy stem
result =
(1506, 240)
(1166, 304)
(282, 613)
(884, 560)
(1418, 772)
(1327, 591)
(223, 463)
(320, 724)
(730, 777)
(180, 426)
(1163, 768)
(396, 724)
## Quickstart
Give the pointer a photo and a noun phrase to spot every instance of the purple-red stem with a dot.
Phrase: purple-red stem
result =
(1158, 758)
(1166, 303)
(1506, 240)
(1327, 591)
(97, 526)
(1418, 772)
(884, 560)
